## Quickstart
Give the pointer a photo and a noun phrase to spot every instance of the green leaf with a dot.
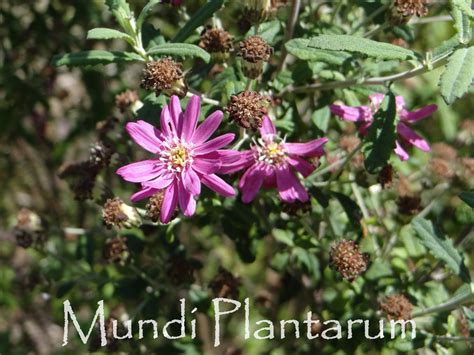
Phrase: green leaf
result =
(458, 75)
(321, 118)
(363, 46)
(462, 15)
(283, 236)
(93, 58)
(180, 49)
(121, 11)
(267, 30)
(299, 47)
(198, 19)
(467, 197)
(145, 12)
(440, 246)
(352, 209)
(446, 47)
(380, 140)
(108, 33)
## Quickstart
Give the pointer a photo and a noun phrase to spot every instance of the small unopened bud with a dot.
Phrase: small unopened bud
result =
(247, 109)
(119, 214)
(225, 284)
(401, 11)
(217, 42)
(346, 258)
(254, 52)
(164, 76)
(257, 11)
(116, 251)
(128, 100)
(397, 307)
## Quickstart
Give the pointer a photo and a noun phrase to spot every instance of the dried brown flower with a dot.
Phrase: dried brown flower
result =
(346, 258)
(385, 177)
(257, 11)
(225, 285)
(397, 307)
(466, 132)
(126, 100)
(23, 237)
(409, 205)
(116, 251)
(117, 213)
(81, 178)
(217, 42)
(296, 208)
(442, 168)
(247, 109)
(254, 51)
(401, 11)
(100, 155)
(444, 151)
(164, 76)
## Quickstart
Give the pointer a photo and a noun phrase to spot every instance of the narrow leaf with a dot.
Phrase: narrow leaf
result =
(108, 33)
(458, 75)
(145, 12)
(361, 45)
(380, 140)
(467, 197)
(198, 19)
(440, 246)
(93, 58)
(180, 49)
(299, 47)
(122, 13)
(462, 15)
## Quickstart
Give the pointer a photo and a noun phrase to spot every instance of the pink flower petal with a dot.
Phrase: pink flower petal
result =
(412, 138)
(187, 203)
(400, 103)
(170, 201)
(364, 128)
(251, 182)
(289, 187)
(145, 135)
(214, 144)
(166, 122)
(419, 114)
(375, 101)
(353, 114)
(175, 112)
(191, 181)
(140, 171)
(301, 165)
(206, 166)
(312, 148)
(235, 161)
(207, 128)
(218, 185)
(267, 127)
(402, 154)
(145, 192)
(160, 182)
(190, 117)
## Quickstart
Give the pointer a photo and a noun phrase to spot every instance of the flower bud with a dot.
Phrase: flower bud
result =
(117, 213)
(247, 109)
(254, 52)
(346, 259)
(257, 11)
(217, 42)
(164, 76)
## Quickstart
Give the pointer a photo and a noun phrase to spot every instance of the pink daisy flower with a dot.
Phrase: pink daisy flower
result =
(365, 115)
(183, 157)
(271, 162)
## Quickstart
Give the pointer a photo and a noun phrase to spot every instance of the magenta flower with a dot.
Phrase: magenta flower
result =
(365, 115)
(271, 162)
(183, 157)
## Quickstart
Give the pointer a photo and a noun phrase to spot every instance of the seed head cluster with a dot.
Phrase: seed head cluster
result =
(346, 258)
(247, 109)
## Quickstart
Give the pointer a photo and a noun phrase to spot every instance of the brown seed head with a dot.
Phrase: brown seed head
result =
(346, 258)
(409, 205)
(116, 251)
(296, 208)
(397, 307)
(257, 11)
(153, 207)
(385, 177)
(126, 99)
(444, 151)
(100, 155)
(24, 238)
(254, 52)
(401, 11)
(164, 76)
(442, 168)
(217, 42)
(247, 109)
(117, 213)
(225, 285)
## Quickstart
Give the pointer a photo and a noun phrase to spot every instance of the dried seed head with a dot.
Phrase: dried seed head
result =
(117, 213)
(23, 237)
(467, 170)
(385, 177)
(409, 205)
(349, 142)
(444, 151)
(257, 11)
(254, 52)
(466, 133)
(296, 208)
(401, 11)
(346, 259)
(81, 178)
(126, 100)
(225, 285)
(164, 76)
(100, 155)
(116, 251)
(29, 229)
(153, 207)
(397, 307)
(217, 42)
(442, 168)
(180, 270)
(247, 109)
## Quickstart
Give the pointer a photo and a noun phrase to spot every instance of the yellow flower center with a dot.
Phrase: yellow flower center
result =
(270, 152)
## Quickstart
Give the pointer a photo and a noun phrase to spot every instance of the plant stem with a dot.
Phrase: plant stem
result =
(377, 30)
(369, 18)
(344, 163)
(290, 28)
(421, 69)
